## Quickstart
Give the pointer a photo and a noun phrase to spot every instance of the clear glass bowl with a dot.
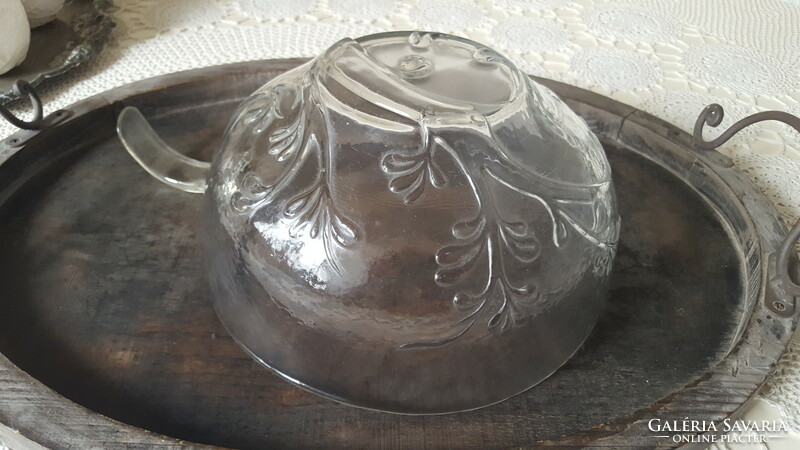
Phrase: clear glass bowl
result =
(406, 223)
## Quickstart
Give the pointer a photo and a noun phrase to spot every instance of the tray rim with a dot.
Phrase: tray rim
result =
(631, 127)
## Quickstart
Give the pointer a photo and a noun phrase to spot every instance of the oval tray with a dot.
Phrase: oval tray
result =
(105, 300)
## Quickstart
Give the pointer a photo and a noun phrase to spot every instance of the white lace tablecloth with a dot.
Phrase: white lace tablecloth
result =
(668, 57)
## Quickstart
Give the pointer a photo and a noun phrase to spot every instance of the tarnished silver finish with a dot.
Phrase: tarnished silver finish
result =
(783, 300)
(784, 258)
(23, 88)
(713, 114)
(79, 31)
(38, 122)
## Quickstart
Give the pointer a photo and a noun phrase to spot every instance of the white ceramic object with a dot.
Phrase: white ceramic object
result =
(15, 34)
(41, 12)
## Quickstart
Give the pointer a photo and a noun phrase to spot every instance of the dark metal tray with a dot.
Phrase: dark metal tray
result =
(104, 297)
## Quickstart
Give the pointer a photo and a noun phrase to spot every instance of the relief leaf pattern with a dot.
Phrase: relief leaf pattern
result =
(409, 174)
(311, 212)
(485, 247)
(285, 136)
(284, 142)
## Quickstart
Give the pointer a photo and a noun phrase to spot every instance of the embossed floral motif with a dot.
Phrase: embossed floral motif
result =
(410, 173)
(566, 124)
(278, 114)
(282, 116)
(487, 263)
(489, 243)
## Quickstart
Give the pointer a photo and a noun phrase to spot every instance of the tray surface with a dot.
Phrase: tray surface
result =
(105, 301)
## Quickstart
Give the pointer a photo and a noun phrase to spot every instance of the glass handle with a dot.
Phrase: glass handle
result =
(156, 157)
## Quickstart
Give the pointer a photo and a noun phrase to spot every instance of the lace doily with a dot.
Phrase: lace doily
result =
(616, 68)
(631, 23)
(668, 57)
(739, 69)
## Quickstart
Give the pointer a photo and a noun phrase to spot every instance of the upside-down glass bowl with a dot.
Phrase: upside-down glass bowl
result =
(406, 223)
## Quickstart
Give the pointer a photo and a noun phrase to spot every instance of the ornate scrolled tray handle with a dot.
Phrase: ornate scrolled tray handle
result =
(712, 116)
(22, 88)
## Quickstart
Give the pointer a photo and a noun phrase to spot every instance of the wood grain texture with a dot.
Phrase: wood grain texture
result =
(105, 299)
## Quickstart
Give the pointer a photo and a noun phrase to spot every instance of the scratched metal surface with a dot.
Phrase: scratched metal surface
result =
(105, 298)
